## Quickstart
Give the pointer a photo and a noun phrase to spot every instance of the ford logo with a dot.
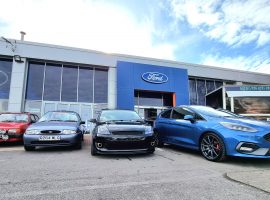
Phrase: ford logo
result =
(155, 77)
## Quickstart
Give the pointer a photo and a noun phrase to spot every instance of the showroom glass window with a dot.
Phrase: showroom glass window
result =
(5, 76)
(192, 92)
(34, 87)
(52, 82)
(101, 86)
(85, 91)
(69, 83)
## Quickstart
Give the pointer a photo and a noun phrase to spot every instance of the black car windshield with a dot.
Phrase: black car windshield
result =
(119, 115)
(204, 110)
(60, 116)
(10, 117)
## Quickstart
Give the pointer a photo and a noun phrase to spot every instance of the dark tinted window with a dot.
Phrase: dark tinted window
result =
(35, 81)
(179, 113)
(192, 92)
(218, 84)
(201, 89)
(52, 82)
(85, 85)
(69, 83)
(166, 114)
(5, 76)
(101, 86)
(210, 85)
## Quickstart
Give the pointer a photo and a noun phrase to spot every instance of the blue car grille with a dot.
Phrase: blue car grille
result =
(127, 133)
(267, 137)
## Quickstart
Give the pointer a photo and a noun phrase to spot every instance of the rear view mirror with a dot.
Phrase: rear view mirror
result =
(189, 118)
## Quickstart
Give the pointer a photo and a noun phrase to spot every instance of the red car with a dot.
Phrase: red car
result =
(13, 125)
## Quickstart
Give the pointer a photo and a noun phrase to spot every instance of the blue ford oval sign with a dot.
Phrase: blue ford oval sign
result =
(155, 77)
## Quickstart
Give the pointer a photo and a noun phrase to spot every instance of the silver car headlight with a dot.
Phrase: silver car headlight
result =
(148, 130)
(102, 130)
(68, 131)
(32, 132)
(238, 127)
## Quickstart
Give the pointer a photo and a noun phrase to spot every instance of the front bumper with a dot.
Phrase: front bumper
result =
(11, 137)
(124, 144)
(252, 145)
(65, 140)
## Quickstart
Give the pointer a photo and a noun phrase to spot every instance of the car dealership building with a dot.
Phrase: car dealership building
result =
(38, 78)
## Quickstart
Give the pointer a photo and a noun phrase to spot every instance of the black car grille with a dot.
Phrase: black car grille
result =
(127, 145)
(127, 133)
(267, 137)
(50, 131)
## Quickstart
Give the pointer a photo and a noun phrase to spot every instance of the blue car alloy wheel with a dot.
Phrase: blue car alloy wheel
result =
(215, 133)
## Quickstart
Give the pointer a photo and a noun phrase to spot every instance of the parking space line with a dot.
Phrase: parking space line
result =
(11, 149)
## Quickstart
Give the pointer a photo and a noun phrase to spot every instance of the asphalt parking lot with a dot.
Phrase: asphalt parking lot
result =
(170, 173)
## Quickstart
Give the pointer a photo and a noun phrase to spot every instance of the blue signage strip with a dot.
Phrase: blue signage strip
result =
(137, 76)
(249, 88)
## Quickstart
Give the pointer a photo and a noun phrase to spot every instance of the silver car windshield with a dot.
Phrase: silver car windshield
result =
(59, 116)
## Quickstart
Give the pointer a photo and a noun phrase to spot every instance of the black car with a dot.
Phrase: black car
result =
(121, 132)
(56, 128)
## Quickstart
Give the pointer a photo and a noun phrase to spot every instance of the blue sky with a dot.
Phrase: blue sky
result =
(226, 33)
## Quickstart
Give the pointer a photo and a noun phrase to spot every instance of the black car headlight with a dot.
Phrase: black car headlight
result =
(238, 127)
(102, 130)
(32, 132)
(67, 131)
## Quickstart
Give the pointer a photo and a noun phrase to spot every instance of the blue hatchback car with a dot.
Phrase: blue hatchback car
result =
(216, 134)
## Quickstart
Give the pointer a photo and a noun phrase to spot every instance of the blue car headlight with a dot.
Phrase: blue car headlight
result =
(32, 132)
(148, 130)
(238, 127)
(102, 130)
(67, 131)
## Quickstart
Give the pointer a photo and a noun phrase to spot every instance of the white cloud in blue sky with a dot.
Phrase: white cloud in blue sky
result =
(227, 33)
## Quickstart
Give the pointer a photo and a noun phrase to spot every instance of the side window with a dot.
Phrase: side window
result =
(179, 113)
(32, 117)
(166, 114)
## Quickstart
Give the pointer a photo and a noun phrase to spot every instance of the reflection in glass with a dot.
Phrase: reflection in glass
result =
(210, 85)
(34, 86)
(201, 92)
(101, 86)
(192, 92)
(85, 85)
(5, 76)
(52, 82)
(69, 83)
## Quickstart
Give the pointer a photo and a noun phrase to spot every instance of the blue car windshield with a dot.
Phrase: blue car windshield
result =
(119, 115)
(204, 110)
(59, 116)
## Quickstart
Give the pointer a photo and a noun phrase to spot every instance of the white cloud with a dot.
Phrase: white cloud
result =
(231, 22)
(87, 24)
(255, 63)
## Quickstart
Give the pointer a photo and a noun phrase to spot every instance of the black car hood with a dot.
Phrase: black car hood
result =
(54, 125)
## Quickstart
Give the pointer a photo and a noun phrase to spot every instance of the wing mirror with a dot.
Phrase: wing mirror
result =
(82, 122)
(189, 118)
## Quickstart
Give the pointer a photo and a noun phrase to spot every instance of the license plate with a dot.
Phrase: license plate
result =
(49, 138)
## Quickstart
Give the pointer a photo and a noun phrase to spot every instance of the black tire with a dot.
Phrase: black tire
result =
(212, 147)
(151, 151)
(158, 142)
(29, 148)
(93, 150)
(78, 146)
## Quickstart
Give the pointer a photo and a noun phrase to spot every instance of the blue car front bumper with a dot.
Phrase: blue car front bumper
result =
(245, 144)
(64, 140)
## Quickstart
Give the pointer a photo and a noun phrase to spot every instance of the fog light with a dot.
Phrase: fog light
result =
(153, 143)
(246, 147)
(99, 145)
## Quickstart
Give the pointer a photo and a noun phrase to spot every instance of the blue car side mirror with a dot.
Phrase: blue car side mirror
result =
(189, 118)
